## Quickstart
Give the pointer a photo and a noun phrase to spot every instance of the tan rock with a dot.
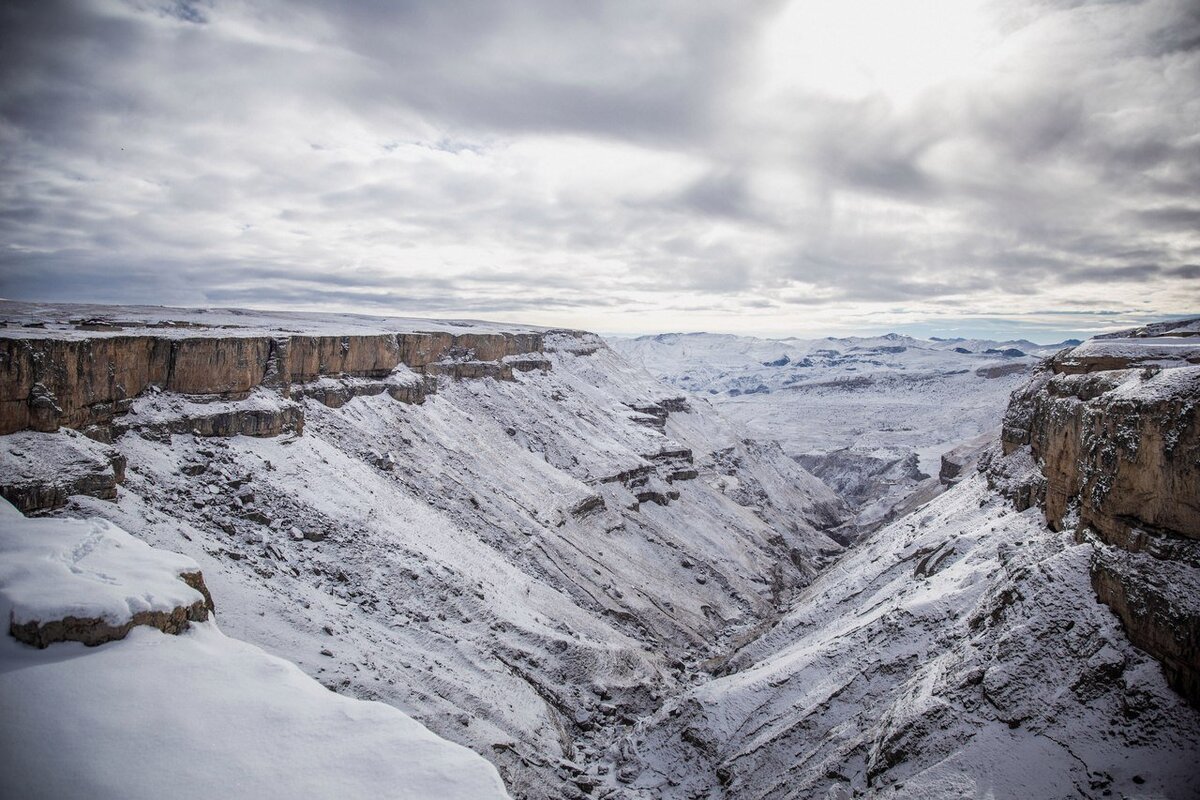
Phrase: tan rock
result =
(93, 631)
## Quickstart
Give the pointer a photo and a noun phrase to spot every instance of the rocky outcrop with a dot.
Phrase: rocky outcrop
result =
(85, 383)
(93, 631)
(224, 419)
(1105, 437)
(1156, 602)
(960, 461)
(39, 472)
(654, 415)
(1120, 447)
(86, 580)
(336, 392)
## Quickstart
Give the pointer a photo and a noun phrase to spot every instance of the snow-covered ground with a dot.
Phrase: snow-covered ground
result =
(482, 561)
(871, 416)
(194, 715)
(959, 652)
(81, 320)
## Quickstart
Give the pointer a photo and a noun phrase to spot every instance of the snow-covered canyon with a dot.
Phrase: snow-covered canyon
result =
(870, 416)
(592, 579)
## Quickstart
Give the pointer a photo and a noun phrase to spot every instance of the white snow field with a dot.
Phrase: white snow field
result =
(195, 715)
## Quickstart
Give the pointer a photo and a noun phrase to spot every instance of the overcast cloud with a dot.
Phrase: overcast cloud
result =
(769, 167)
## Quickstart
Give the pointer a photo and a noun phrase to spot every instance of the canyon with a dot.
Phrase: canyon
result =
(601, 585)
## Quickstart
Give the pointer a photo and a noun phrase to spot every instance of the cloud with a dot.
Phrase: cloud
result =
(616, 164)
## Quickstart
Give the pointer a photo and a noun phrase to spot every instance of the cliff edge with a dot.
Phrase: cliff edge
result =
(1105, 439)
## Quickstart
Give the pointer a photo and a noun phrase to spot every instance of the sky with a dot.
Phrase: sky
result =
(1018, 168)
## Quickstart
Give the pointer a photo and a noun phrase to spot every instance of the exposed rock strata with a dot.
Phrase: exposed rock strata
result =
(1108, 444)
(39, 472)
(85, 383)
(959, 462)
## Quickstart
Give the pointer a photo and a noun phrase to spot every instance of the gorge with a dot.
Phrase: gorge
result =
(597, 583)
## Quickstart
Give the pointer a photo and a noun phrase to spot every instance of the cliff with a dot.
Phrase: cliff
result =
(1105, 438)
(86, 382)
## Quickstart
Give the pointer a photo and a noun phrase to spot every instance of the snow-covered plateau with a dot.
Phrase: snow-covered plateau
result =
(517, 540)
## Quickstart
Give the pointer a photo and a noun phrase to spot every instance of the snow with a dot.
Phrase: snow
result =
(1142, 349)
(434, 557)
(1147, 388)
(162, 407)
(198, 715)
(455, 583)
(89, 569)
(854, 409)
(29, 458)
(959, 652)
(58, 321)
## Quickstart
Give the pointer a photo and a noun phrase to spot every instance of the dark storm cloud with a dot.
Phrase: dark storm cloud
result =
(514, 156)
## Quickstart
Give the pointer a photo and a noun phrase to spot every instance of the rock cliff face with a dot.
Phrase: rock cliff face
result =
(86, 382)
(1105, 437)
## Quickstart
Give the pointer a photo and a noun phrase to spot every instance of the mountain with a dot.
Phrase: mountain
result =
(870, 416)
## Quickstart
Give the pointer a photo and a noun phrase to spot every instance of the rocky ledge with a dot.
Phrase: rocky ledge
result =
(39, 472)
(73, 580)
(1105, 438)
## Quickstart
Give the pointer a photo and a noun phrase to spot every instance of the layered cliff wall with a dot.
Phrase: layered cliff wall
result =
(1105, 437)
(85, 382)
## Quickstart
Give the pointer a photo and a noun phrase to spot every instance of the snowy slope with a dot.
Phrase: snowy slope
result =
(482, 561)
(957, 653)
(197, 715)
(870, 416)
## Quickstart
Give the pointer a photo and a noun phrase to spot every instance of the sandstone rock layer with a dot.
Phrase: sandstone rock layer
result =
(1107, 441)
(82, 383)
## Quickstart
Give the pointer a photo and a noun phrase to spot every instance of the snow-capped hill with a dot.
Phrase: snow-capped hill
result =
(191, 715)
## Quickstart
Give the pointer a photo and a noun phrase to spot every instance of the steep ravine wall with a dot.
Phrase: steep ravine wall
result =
(1110, 449)
(84, 383)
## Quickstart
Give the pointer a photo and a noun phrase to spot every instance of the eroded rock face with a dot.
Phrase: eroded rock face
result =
(224, 420)
(1106, 439)
(1122, 447)
(85, 383)
(38, 472)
